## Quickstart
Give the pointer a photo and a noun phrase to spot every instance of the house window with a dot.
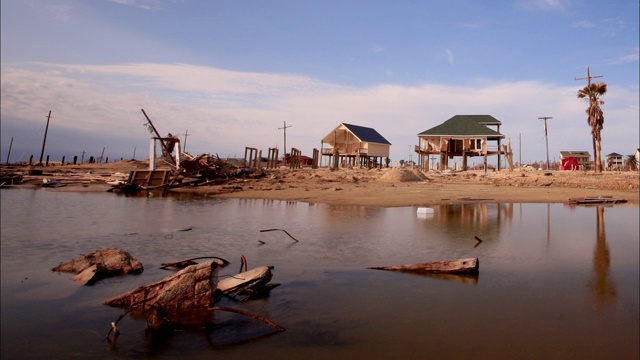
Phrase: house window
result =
(456, 145)
(476, 144)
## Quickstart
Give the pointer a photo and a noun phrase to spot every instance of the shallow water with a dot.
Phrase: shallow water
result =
(555, 282)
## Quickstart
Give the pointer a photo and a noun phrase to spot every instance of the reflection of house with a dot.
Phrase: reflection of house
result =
(614, 161)
(582, 157)
(357, 145)
(462, 135)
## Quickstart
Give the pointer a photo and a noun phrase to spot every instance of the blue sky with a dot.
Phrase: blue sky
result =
(230, 73)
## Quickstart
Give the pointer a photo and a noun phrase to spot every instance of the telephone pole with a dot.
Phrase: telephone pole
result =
(45, 137)
(545, 118)
(285, 137)
(186, 133)
(589, 77)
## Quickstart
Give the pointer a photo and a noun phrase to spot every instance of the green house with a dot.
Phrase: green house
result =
(461, 136)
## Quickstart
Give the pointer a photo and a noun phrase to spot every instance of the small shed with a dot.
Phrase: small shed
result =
(461, 135)
(355, 145)
(614, 161)
(582, 157)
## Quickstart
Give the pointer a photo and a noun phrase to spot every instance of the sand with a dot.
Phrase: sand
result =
(389, 187)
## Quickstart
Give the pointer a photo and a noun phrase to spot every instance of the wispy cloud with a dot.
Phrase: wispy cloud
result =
(633, 56)
(545, 5)
(60, 12)
(377, 48)
(141, 4)
(451, 57)
(583, 24)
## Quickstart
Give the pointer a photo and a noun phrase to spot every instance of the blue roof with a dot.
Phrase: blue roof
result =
(366, 134)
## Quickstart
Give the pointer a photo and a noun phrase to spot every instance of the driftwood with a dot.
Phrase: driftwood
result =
(246, 280)
(285, 231)
(189, 294)
(101, 264)
(185, 263)
(459, 266)
(192, 287)
(596, 200)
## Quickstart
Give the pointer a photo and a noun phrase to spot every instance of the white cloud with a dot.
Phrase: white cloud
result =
(225, 111)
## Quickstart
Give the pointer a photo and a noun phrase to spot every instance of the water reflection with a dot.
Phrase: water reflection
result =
(601, 285)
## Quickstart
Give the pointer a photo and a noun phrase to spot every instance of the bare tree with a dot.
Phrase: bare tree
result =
(592, 93)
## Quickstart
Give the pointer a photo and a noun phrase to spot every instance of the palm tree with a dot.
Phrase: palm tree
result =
(632, 163)
(592, 93)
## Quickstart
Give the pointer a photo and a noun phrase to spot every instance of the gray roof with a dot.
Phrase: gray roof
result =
(366, 134)
(465, 125)
(613, 155)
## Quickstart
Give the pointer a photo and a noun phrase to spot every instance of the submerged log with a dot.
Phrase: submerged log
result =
(459, 266)
(101, 264)
(192, 287)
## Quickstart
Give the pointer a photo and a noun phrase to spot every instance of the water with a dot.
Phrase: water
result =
(555, 282)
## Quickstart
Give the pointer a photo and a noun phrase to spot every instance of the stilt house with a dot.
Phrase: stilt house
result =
(355, 145)
(461, 135)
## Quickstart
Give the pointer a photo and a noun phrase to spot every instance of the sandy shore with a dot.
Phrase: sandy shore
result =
(372, 187)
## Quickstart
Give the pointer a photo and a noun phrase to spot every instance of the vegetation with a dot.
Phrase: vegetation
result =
(591, 94)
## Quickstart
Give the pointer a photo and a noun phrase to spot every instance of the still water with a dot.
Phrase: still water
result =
(555, 282)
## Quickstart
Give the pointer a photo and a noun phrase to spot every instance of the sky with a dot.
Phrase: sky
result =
(223, 75)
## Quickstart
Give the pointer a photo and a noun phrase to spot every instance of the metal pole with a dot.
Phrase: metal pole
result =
(545, 118)
(45, 137)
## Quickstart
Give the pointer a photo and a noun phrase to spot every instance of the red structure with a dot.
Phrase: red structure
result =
(570, 163)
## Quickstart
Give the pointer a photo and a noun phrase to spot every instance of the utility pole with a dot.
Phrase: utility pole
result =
(520, 149)
(82, 159)
(10, 144)
(545, 118)
(186, 133)
(589, 77)
(45, 137)
(285, 137)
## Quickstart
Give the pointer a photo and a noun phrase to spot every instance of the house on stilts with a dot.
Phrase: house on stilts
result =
(355, 145)
(462, 136)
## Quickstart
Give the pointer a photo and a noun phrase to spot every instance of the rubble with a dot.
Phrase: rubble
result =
(101, 264)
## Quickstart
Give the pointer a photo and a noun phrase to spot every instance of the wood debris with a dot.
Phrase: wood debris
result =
(470, 265)
(101, 264)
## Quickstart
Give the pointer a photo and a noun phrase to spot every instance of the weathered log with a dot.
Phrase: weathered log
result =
(470, 265)
(190, 288)
(101, 264)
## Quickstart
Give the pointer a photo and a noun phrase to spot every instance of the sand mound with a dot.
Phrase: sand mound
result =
(402, 175)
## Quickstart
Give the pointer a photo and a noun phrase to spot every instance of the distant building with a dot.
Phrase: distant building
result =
(583, 158)
(355, 145)
(461, 135)
(614, 161)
